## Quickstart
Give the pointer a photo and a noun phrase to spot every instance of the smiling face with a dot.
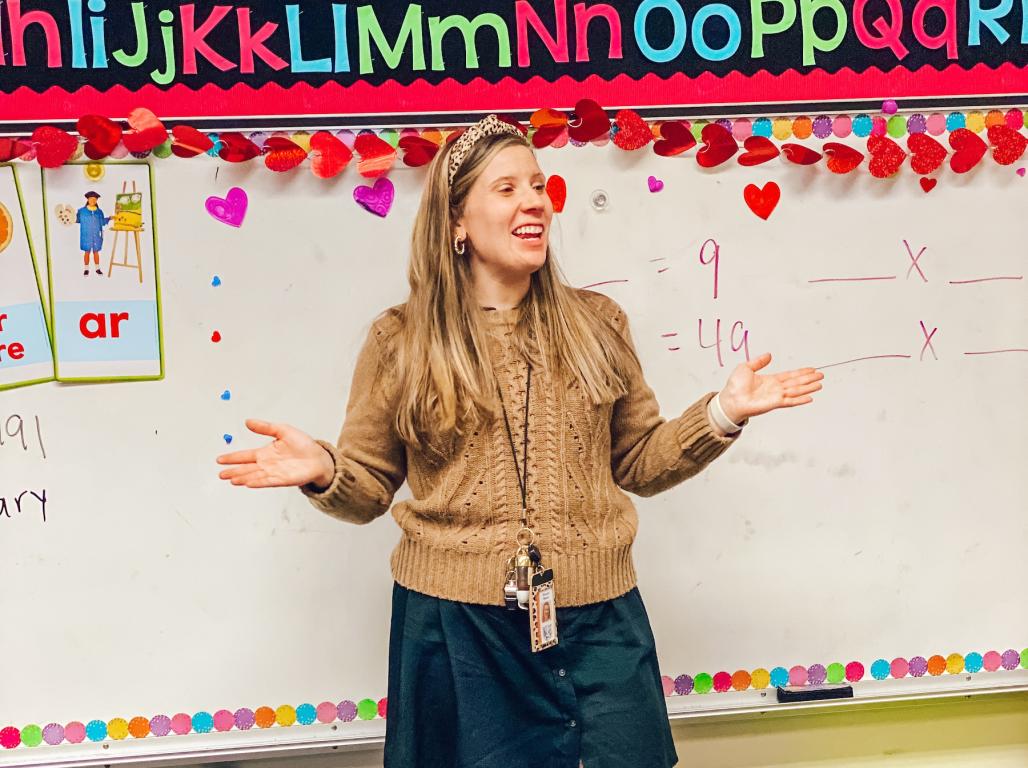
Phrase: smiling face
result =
(506, 218)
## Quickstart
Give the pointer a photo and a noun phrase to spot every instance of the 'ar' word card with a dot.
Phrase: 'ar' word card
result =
(25, 354)
(104, 290)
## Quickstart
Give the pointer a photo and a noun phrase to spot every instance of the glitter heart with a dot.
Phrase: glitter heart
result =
(377, 157)
(101, 134)
(718, 146)
(630, 131)
(970, 149)
(54, 147)
(231, 209)
(927, 184)
(926, 154)
(886, 156)
(762, 201)
(589, 121)
(145, 131)
(759, 149)
(186, 141)
(283, 154)
(675, 139)
(654, 184)
(557, 189)
(378, 199)
(842, 158)
(1008, 144)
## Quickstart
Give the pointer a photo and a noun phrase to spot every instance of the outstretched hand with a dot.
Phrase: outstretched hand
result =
(748, 393)
(292, 458)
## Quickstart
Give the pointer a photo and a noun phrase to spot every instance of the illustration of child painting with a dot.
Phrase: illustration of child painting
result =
(91, 221)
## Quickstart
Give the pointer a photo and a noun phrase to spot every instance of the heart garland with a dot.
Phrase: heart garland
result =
(675, 138)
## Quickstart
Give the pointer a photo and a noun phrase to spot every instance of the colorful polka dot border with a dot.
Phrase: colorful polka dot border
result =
(854, 671)
(286, 716)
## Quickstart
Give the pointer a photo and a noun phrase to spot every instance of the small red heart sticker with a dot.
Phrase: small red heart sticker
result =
(557, 189)
(928, 184)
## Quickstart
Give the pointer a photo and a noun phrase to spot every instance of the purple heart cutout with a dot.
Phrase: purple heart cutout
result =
(231, 209)
(1020, 172)
(377, 199)
(655, 184)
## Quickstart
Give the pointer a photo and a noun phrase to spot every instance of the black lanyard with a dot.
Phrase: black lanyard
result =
(522, 480)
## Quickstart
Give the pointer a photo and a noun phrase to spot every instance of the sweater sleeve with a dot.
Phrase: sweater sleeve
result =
(370, 458)
(650, 454)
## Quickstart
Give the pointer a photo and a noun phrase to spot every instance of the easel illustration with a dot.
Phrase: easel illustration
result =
(128, 218)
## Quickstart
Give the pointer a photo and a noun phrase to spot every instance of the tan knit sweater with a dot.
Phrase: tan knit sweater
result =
(459, 527)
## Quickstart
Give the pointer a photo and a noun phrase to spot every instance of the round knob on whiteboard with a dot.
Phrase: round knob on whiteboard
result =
(599, 200)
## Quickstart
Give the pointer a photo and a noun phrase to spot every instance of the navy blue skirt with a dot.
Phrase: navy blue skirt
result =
(466, 691)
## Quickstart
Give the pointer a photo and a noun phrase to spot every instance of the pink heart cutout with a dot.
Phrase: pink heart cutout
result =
(1020, 172)
(377, 199)
(655, 184)
(231, 209)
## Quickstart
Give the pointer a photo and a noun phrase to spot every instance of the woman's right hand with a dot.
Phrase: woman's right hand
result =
(292, 458)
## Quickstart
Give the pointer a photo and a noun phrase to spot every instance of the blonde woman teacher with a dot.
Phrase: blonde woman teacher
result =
(515, 407)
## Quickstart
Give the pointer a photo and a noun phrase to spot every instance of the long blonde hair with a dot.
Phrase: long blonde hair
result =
(447, 382)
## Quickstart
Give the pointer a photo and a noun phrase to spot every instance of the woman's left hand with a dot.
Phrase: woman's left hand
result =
(748, 393)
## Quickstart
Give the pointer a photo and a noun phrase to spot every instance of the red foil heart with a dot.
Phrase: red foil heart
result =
(12, 149)
(970, 149)
(418, 151)
(632, 131)
(186, 141)
(718, 146)
(675, 139)
(800, 155)
(329, 156)
(759, 149)
(145, 131)
(762, 200)
(101, 134)
(842, 158)
(236, 148)
(550, 125)
(926, 154)
(54, 147)
(282, 154)
(886, 156)
(1008, 144)
(589, 122)
(376, 155)
(557, 189)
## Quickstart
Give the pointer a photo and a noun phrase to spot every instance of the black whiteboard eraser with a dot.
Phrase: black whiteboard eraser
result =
(788, 695)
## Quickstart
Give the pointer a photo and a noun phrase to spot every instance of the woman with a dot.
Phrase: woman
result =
(515, 407)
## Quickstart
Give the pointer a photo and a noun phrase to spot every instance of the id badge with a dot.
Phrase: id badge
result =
(542, 604)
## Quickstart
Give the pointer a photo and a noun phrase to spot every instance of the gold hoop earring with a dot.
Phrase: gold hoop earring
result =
(458, 246)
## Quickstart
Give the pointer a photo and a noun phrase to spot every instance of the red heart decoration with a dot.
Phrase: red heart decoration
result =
(718, 146)
(12, 149)
(926, 154)
(926, 184)
(886, 156)
(632, 131)
(762, 201)
(842, 158)
(800, 155)
(1008, 144)
(589, 121)
(216, 337)
(54, 147)
(236, 148)
(970, 149)
(418, 151)
(759, 149)
(377, 156)
(328, 155)
(186, 141)
(557, 189)
(282, 154)
(549, 125)
(145, 131)
(675, 139)
(101, 135)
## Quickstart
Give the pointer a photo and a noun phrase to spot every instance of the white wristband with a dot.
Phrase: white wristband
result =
(717, 415)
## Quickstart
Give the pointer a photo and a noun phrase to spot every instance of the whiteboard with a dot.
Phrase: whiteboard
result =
(884, 521)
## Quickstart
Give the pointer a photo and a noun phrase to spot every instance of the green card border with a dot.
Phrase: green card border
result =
(157, 279)
(39, 284)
